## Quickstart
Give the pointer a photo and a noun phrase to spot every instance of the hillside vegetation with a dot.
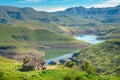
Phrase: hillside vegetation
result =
(113, 33)
(19, 35)
(23, 39)
(104, 56)
(60, 73)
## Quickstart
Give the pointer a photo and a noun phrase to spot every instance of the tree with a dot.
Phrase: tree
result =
(70, 64)
(88, 68)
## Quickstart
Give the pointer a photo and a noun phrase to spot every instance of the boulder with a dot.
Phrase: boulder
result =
(55, 62)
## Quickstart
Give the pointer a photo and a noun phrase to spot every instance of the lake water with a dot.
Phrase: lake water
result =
(60, 57)
(87, 38)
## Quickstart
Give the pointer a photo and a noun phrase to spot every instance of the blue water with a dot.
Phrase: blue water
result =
(87, 38)
(60, 57)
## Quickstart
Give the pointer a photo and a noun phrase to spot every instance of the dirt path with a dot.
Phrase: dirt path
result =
(51, 67)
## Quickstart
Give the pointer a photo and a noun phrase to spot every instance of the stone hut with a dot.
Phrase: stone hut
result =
(40, 63)
(35, 63)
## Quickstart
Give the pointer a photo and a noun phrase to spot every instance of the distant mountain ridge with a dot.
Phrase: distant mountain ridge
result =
(104, 15)
(83, 20)
(111, 14)
(15, 13)
(92, 11)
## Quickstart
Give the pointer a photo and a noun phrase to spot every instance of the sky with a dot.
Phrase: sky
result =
(58, 5)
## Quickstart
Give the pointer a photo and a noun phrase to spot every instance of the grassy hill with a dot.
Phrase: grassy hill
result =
(23, 39)
(113, 33)
(104, 56)
(9, 69)
(18, 35)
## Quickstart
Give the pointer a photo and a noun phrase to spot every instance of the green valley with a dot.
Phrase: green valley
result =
(39, 45)
(25, 39)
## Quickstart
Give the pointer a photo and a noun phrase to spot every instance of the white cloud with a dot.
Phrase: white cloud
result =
(33, 0)
(30, 1)
(108, 3)
(49, 9)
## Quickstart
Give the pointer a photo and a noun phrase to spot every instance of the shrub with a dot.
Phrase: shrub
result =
(70, 64)
(88, 68)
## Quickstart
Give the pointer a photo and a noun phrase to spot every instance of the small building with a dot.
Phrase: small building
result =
(30, 64)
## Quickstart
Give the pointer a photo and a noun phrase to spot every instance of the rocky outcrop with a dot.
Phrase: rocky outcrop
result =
(64, 61)
(35, 63)
(19, 56)
(54, 62)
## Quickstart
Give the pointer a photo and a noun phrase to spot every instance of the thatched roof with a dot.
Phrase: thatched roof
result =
(39, 60)
(31, 63)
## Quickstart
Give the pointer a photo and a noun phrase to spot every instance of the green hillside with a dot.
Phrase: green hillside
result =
(10, 69)
(18, 35)
(104, 56)
(15, 39)
(113, 33)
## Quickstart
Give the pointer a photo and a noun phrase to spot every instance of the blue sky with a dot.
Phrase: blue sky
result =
(55, 5)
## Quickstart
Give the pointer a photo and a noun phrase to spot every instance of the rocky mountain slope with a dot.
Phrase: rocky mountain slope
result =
(67, 17)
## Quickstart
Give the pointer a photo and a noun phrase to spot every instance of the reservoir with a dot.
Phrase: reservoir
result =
(91, 39)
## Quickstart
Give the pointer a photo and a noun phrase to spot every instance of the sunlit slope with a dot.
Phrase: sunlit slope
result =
(104, 56)
(22, 36)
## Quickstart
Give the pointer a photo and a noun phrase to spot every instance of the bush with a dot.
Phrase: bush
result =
(71, 76)
(88, 68)
(70, 64)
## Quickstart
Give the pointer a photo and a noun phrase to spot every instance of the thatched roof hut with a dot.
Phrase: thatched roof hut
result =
(30, 65)
(35, 63)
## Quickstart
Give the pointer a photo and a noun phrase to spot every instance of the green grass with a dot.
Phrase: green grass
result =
(22, 36)
(105, 56)
(25, 38)
(9, 70)
(110, 33)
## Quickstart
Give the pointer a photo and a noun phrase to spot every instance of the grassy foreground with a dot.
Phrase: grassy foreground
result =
(9, 69)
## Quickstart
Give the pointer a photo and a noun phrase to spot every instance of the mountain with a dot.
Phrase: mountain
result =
(104, 15)
(103, 21)
(104, 56)
(15, 13)
(11, 14)
(55, 25)
(75, 20)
